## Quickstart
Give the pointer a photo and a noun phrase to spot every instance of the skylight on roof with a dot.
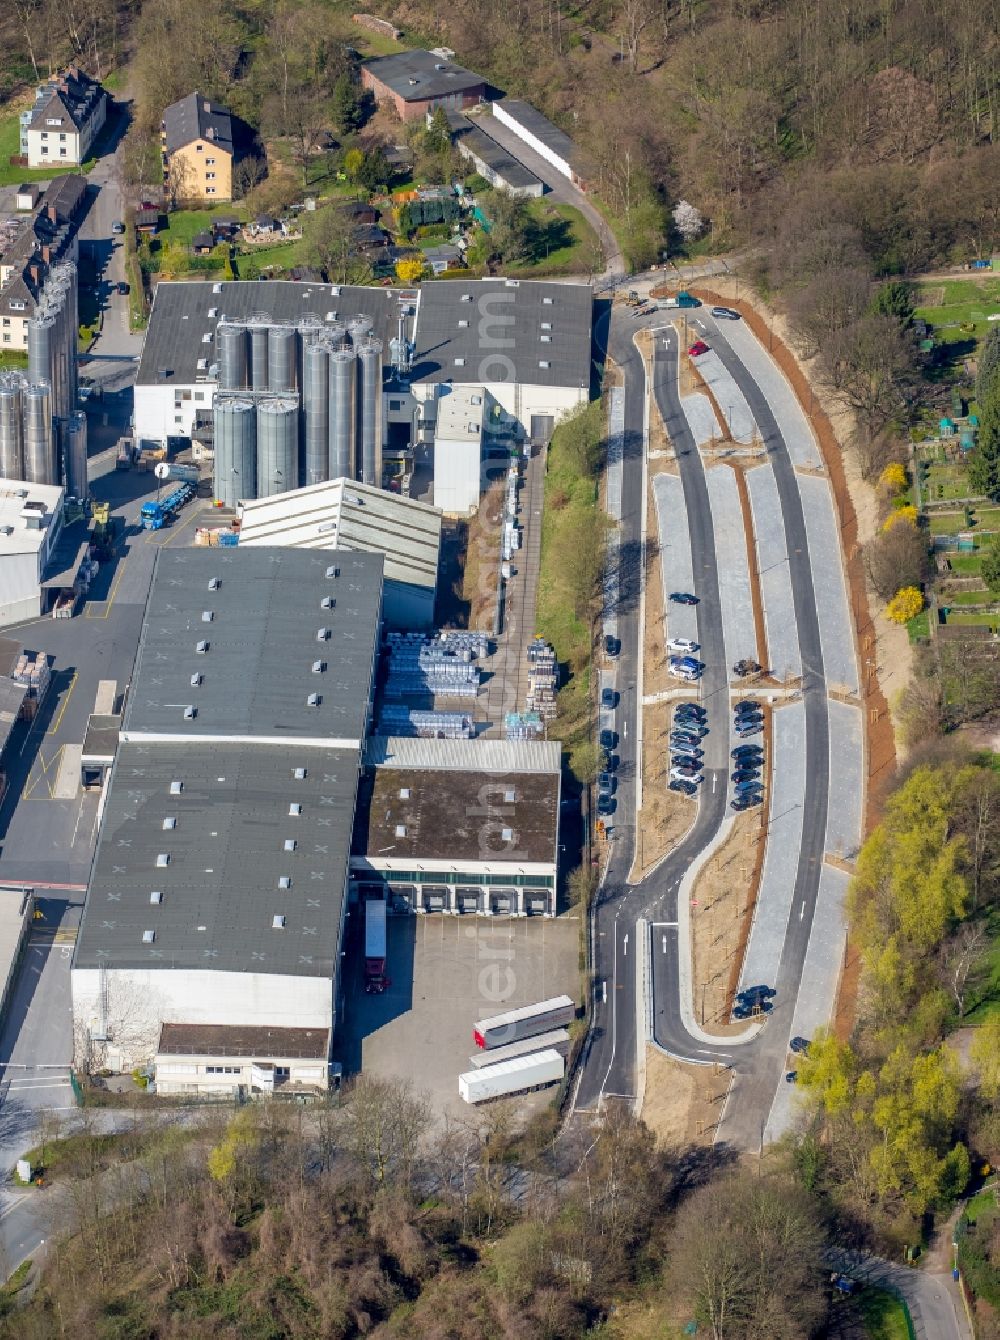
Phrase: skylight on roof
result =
(176, 788)
(163, 860)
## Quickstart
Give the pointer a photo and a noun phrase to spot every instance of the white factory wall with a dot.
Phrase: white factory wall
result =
(139, 1000)
(550, 156)
(224, 1074)
(484, 869)
(20, 588)
(457, 470)
(162, 411)
(555, 400)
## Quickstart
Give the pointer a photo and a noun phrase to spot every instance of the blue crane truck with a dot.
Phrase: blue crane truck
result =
(155, 515)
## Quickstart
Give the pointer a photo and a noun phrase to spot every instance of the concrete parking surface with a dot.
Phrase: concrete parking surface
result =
(780, 626)
(836, 631)
(728, 396)
(738, 628)
(789, 416)
(675, 554)
(446, 974)
(784, 838)
(701, 417)
(847, 781)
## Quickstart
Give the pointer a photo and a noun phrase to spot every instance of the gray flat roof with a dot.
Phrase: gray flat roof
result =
(180, 319)
(101, 739)
(256, 673)
(543, 129)
(482, 755)
(495, 156)
(416, 76)
(220, 888)
(247, 1040)
(508, 324)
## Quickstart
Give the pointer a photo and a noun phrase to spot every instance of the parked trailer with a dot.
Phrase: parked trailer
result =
(375, 946)
(516, 1076)
(155, 515)
(556, 1041)
(526, 1022)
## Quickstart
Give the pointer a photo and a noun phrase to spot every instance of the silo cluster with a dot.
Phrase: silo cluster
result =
(302, 401)
(52, 338)
(27, 449)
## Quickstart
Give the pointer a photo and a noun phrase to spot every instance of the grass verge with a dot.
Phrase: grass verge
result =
(574, 532)
(885, 1317)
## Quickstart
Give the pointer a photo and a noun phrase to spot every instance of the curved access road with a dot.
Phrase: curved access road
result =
(613, 1057)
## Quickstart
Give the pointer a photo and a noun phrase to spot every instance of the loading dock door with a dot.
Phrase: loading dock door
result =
(542, 426)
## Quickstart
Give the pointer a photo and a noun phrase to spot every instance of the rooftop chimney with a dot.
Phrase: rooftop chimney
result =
(207, 105)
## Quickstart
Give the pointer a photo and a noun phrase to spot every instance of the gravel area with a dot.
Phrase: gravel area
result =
(738, 627)
(784, 659)
(836, 631)
(784, 838)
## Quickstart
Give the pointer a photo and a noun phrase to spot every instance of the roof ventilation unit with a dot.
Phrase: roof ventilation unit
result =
(277, 923)
(284, 881)
(148, 937)
(510, 796)
(190, 712)
(322, 635)
(318, 667)
(299, 774)
(295, 808)
(201, 647)
(156, 897)
(333, 572)
(289, 844)
(207, 616)
(169, 822)
(214, 583)
(404, 793)
(195, 681)
(506, 834)
(163, 860)
(401, 830)
(176, 788)
(313, 700)
(328, 602)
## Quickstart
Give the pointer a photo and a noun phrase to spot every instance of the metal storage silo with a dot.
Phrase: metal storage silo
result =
(235, 449)
(336, 334)
(39, 456)
(41, 329)
(258, 350)
(74, 454)
(281, 358)
(277, 445)
(231, 345)
(11, 429)
(369, 449)
(359, 328)
(68, 281)
(343, 396)
(316, 408)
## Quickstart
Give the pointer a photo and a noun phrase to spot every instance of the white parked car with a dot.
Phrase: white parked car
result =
(682, 644)
(679, 775)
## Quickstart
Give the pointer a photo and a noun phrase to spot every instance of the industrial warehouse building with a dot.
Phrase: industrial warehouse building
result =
(546, 139)
(329, 377)
(343, 514)
(490, 159)
(462, 826)
(214, 915)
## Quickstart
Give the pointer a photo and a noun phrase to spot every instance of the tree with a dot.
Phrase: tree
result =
(985, 1054)
(894, 558)
(988, 364)
(893, 298)
(905, 604)
(990, 566)
(346, 104)
(959, 959)
(636, 16)
(745, 1256)
(984, 468)
(375, 171)
(869, 366)
(327, 243)
(893, 477)
(410, 269)
(353, 163)
(437, 136)
(386, 1121)
(687, 220)
(507, 241)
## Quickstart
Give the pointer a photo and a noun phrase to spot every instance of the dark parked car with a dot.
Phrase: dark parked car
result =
(123, 287)
(607, 783)
(609, 739)
(686, 788)
(118, 228)
(725, 314)
(683, 742)
(683, 598)
(606, 804)
(742, 751)
(799, 1045)
(791, 1077)
(746, 705)
(742, 778)
(745, 802)
(612, 645)
(761, 992)
(608, 698)
(687, 713)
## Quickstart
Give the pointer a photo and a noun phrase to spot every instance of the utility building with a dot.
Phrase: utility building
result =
(417, 82)
(211, 935)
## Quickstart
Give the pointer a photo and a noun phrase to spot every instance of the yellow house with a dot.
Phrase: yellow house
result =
(196, 141)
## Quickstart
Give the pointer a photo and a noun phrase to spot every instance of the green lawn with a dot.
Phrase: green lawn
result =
(979, 596)
(10, 143)
(885, 1316)
(946, 523)
(975, 620)
(562, 240)
(968, 565)
(282, 257)
(946, 481)
(919, 627)
(12, 360)
(958, 308)
(184, 224)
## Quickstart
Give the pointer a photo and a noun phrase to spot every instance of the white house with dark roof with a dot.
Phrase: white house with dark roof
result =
(68, 113)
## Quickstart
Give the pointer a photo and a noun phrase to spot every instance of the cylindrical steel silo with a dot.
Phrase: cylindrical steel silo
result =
(343, 396)
(277, 445)
(11, 429)
(258, 351)
(235, 449)
(41, 328)
(39, 456)
(369, 448)
(281, 358)
(74, 454)
(67, 276)
(335, 334)
(360, 327)
(231, 346)
(316, 409)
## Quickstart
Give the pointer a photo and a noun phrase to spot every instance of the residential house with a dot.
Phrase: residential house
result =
(417, 82)
(196, 142)
(31, 247)
(59, 129)
(444, 257)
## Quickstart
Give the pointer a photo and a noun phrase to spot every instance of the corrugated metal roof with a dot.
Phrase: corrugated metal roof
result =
(343, 514)
(500, 756)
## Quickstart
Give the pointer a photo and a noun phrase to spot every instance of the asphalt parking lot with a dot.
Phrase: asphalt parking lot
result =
(446, 973)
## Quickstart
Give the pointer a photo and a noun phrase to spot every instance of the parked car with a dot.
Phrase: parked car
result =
(746, 705)
(746, 667)
(746, 802)
(686, 761)
(799, 1045)
(761, 992)
(725, 314)
(608, 739)
(681, 644)
(688, 751)
(745, 775)
(697, 349)
(123, 287)
(608, 699)
(747, 751)
(690, 710)
(752, 728)
(683, 785)
(607, 783)
(683, 598)
(691, 662)
(118, 227)
(612, 645)
(606, 805)
(682, 775)
(791, 1077)
(609, 762)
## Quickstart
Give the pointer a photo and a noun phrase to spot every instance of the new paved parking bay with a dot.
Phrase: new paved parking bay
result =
(836, 632)
(738, 628)
(847, 782)
(784, 838)
(788, 413)
(676, 562)
(728, 396)
(781, 627)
